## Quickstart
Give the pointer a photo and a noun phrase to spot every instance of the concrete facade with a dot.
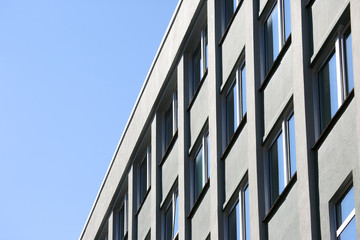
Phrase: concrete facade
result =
(327, 157)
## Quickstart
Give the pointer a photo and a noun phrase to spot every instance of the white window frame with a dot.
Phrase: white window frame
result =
(172, 202)
(339, 196)
(124, 205)
(205, 161)
(286, 155)
(242, 222)
(174, 106)
(281, 26)
(203, 59)
(237, 82)
(341, 78)
(147, 158)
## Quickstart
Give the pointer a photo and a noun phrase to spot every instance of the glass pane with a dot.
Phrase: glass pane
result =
(176, 216)
(168, 126)
(235, 2)
(207, 155)
(168, 223)
(292, 148)
(206, 48)
(198, 173)
(276, 169)
(345, 206)
(349, 232)
(328, 91)
(243, 90)
(143, 179)
(349, 64)
(196, 67)
(121, 223)
(287, 18)
(247, 214)
(233, 221)
(231, 112)
(272, 37)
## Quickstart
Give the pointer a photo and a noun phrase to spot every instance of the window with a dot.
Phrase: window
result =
(282, 159)
(230, 7)
(200, 60)
(172, 218)
(121, 220)
(335, 78)
(144, 175)
(345, 216)
(201, 166)
(239, 217)
(170, 121)
(236, 103)
(277, 30)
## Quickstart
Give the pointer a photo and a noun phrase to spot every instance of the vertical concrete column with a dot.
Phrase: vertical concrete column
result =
(304, 121)
(214, 82)
(254, 121)
(131, 205)
(355, 35)
(111, 226)
(155, 192)
(184, 166)
(184, 173)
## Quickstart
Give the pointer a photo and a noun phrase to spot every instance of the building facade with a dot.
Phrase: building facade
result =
(247, 127)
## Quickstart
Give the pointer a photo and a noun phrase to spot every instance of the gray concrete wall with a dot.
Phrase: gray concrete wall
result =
(169, 171)
(233, 43)
(285, 223)
(236, 164)
(144, 219)
(335, 164)
(199, 112)
(325, 14)
(200, 222)
(278, 92)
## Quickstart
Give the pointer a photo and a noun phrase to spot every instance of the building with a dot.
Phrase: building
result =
(248, 123)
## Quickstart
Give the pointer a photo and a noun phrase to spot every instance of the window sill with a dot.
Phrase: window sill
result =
(230, 23)
(280, 199)
(143, 201)
(234, 137)
(197, 91)
(333, 121)
(199, 199)
(169, 148)
(275, 64)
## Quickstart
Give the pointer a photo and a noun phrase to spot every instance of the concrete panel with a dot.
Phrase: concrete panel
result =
(337, 157)
(144, 219)
(325, 13)
(169, 171)
(199, 112)
(236, 164)
(234, 42)
(200, 222)
(278, 91)
(285, 223)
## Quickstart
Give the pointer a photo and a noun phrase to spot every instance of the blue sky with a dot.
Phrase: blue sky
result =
(70, 72)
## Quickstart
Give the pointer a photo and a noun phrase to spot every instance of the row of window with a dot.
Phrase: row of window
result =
(335, 82)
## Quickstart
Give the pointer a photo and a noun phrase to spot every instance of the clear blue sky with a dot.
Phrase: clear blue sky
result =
(70, 72)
